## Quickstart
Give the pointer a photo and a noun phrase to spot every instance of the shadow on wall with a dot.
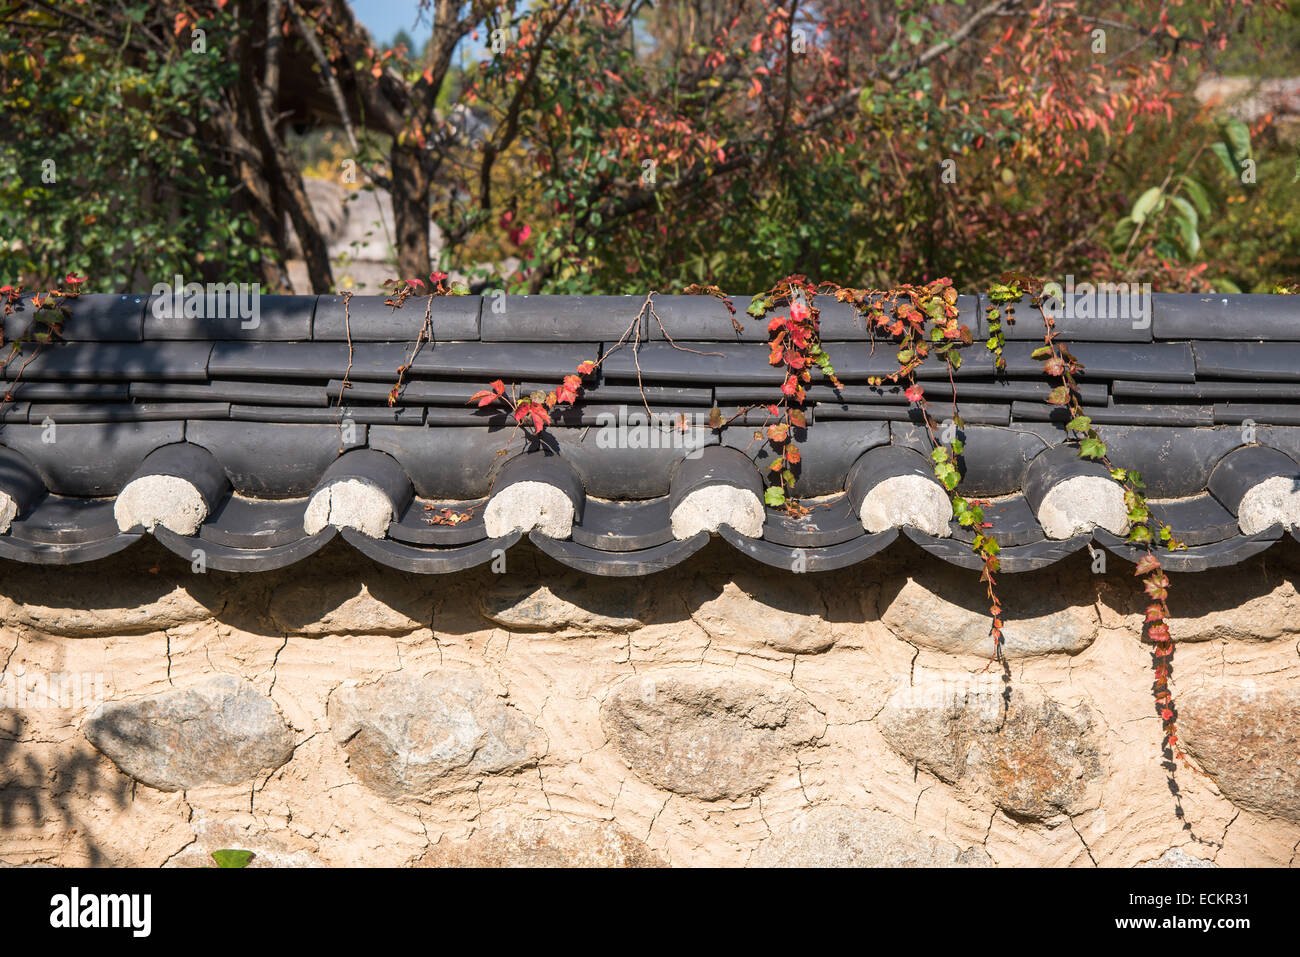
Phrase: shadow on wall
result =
(338, 591)
(38, 795)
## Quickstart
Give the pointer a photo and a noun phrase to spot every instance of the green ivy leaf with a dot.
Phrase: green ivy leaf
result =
(774, 496)
(1080, 423)
(1092, 449)
(229, 857)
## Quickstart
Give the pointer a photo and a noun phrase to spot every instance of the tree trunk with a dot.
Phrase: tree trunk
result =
(278, 161)
(410, 211)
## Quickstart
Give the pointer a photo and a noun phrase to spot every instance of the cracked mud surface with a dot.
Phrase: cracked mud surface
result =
(719, 713)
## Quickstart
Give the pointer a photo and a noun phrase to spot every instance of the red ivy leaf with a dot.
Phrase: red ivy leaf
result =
(1147, 564)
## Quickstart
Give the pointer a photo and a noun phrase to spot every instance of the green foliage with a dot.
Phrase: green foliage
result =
(102, 167)
(232, 858)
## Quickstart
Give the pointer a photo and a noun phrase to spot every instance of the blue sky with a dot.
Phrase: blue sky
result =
(383, 18)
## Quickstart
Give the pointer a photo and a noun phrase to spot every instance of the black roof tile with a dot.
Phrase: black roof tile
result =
(370, 319)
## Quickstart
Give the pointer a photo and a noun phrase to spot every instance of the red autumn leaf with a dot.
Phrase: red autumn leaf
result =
(798, 419)
(534, 413)
(799, 312)
(1155, 613)
(499, 387)
(568, 392)
(778, 433)
(773, 410)
(586, 368)
(778, 322)
(1155, 591)
(792, 454)
(1159, 633)
(1146, 564)
(914, 393)
(790, 386)
(794, 360)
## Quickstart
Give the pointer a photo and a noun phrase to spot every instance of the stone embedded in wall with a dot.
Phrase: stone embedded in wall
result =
(549, 843)
(835, 836)
(947, 609)
(219, 731)
(1247, 738)
(784, 612)
(1177, 857)
(342, 605)
(1038, 761)
(1255, 601)
(709, 735)
(580, 602)
(408, 737)
(113, 601)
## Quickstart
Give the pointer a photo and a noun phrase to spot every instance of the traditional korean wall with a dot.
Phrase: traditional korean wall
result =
(340, 712)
